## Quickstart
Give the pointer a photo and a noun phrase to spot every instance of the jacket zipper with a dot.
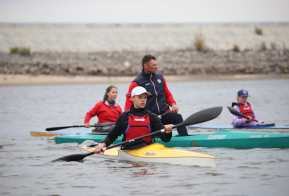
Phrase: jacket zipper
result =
(156, 95)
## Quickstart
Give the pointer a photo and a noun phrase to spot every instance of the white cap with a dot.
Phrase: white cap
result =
(139, 90)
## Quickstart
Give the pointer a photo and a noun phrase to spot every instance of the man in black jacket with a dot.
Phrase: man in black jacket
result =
(136, 122)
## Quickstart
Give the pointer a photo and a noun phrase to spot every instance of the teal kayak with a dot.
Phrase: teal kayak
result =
(223, 138)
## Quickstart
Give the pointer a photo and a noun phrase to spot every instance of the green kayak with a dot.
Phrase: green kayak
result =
(223, 138)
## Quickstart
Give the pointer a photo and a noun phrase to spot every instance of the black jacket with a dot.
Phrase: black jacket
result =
(122, 123)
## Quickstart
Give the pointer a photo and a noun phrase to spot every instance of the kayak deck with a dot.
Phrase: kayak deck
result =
(240, 139)
(158, 153)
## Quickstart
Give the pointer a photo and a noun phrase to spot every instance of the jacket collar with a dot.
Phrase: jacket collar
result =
(147, 75)
(106, 103)
(243, 104)
(138, 110)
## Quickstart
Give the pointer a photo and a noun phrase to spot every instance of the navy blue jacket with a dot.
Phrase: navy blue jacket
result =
(156, 85)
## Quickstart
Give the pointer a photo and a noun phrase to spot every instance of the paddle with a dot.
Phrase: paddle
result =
(199, 117)
(160, 116)
(236, 113)
(96, 125)
(65, 127)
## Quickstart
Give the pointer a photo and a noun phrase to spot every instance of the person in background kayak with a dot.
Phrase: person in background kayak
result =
(106, 110)
(161, 97)
(136, 122)
(245, 109)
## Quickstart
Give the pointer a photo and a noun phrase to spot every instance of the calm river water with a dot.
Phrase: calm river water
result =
(26, 170)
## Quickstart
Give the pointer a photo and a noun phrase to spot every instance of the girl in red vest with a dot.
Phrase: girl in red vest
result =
(244, 108)
(106, 111)
(136, 122)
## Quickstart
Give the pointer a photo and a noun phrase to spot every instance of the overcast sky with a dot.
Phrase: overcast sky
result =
(143, 11)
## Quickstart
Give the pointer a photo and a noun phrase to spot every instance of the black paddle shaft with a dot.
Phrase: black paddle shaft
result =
(96, 125)
(236, 113)
(199, 117)
(77, 126)
(160, 116)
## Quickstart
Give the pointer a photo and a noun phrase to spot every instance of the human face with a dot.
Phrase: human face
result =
(112, 94)
(151, 67)
(139, 101)
(242, 100)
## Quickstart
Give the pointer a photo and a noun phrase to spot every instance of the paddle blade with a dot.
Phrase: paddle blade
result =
(57, 128)
(201, 116)
(236, 113)
(73, 157)
(233, 111)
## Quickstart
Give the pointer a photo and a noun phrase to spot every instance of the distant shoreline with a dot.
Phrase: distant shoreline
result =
(26, 80)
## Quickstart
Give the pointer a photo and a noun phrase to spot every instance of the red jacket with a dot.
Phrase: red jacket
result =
(104, 112)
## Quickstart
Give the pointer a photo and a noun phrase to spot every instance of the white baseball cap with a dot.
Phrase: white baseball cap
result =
(139, 90)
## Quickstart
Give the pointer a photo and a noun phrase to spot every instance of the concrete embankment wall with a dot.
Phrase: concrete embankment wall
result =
(117, 50)
(128, 63)
(140, 37)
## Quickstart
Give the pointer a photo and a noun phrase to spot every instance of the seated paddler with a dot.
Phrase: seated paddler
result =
(136, 122)
(106, 110)
(244, 108)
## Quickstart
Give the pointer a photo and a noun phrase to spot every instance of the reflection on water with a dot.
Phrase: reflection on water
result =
(25, 160)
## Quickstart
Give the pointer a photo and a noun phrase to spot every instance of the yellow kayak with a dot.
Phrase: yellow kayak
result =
(158, 153)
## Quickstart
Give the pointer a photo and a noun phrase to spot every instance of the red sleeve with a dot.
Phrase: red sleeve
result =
(93, 112)
(128, 102)
(120, 110)
(169, 97)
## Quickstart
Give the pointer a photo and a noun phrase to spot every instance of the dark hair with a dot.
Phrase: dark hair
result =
(108, 89)
(147, 59)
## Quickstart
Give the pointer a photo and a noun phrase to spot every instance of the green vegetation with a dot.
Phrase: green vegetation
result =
(14, 50)
(22, 51)
(199, 42)
(236, 48)
(258, 31)
(25, 51)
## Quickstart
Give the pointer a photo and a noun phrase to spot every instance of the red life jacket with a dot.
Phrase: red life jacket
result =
(246, 110)
(138, 126)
